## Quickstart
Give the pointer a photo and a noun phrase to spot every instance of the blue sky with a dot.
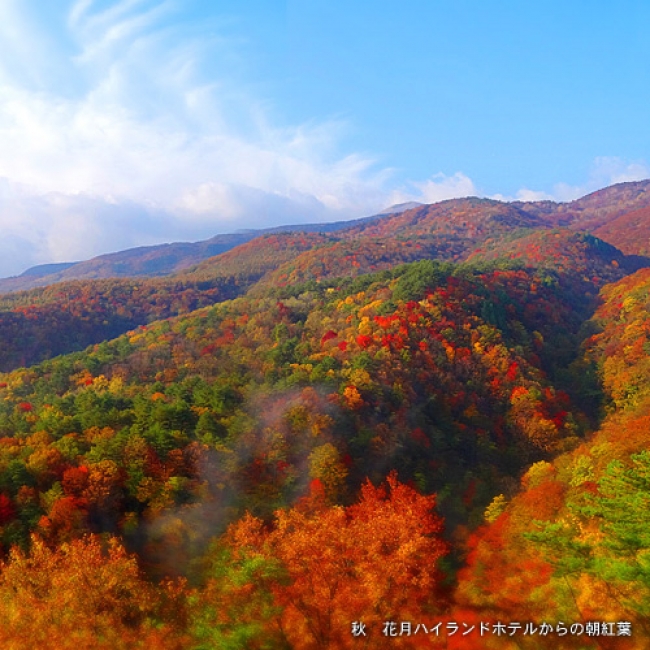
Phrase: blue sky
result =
(140, 121)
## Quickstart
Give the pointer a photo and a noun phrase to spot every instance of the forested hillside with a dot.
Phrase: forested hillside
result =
(403, 434)
(580, 522)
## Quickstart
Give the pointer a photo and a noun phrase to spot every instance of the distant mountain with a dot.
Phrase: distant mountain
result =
(351, 258)
(158, 260)
(593, 210)
(401, 207)
(46, 269)
(457, 225)
(252, 260)
(460, 222)
(148, 261)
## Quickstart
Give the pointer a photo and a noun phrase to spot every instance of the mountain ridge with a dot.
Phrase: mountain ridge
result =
(450, 218)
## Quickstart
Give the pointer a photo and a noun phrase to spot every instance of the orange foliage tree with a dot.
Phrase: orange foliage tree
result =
(371, 562)
(83, 595)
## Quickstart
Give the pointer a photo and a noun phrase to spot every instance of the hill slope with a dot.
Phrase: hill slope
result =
(579, 524)
(630, 232)
(335, 406)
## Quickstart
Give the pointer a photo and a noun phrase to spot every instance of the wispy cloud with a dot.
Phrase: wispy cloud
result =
(605, 170)
(121, 113)
(437, 188)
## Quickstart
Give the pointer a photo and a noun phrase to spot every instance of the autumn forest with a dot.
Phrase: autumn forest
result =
(428, 429)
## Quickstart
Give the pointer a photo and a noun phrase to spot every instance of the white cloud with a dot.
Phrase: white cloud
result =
(605, 170)
(524, 194)
(119, 119)
(438, 188)
(39, 228)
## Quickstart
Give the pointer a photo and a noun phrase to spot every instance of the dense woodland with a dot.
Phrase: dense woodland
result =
(422, 431)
